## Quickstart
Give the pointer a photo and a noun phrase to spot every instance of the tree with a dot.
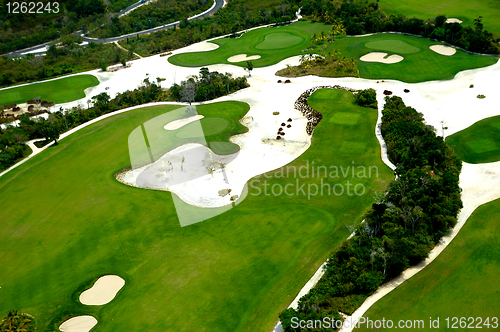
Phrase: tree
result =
(249, 68)
(188, 92)
(182, 162)
(103, 65)
(17, 322)
(210, 170)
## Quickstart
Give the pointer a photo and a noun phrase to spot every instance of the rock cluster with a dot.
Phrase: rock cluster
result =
(313, 116)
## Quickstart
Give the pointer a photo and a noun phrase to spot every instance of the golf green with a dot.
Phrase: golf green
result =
(273, 44)
(479, 142)
(233, 272)
(461, 282)
(420, 64)
(61, 90)
(279, 40)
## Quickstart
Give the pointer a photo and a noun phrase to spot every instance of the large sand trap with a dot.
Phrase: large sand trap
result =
(453, 20)
(103, 291)
(176, 124)
(381, 57)
(78, 324)
(443, 50)
(243, 57)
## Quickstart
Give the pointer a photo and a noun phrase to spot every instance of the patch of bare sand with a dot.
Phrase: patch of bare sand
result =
(176, 124)
(381, 57)
(242, 57)
(443, 50)
(78, 324)
(103, 291)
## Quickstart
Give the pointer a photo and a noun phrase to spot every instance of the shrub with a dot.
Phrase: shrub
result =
(276, 113)
(481, 96)
(366, 98)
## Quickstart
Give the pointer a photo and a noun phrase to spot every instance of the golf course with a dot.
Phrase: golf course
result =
(61, 90)
(461, 282)
(479, 142)
(222, 274)
(274, 44)
(464, 10)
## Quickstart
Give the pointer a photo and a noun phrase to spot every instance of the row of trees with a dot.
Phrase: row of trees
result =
(206, 85)
(363, 17)
(402, 226)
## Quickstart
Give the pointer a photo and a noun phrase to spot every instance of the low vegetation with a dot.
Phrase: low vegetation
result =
(330, 65)
(17, 322)
(402, 226)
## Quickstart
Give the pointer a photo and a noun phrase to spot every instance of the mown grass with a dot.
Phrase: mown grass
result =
(272, 44)
(465, 10)
(69, 222)
(461, 282)
(58, 91)
(417, 66)
(478, 143)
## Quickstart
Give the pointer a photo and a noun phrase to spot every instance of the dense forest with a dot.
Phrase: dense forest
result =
(71, 58)
(363, 17)
(19, 31)
(153, 14)
(207, 85)
(402, 226)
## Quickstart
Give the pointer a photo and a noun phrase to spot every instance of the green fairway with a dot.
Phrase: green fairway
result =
(233, 272)
(272, 44)
(479, 143)
(464, 10)
(461, 282)
(58, 91)
(393, 46)
(420, 64)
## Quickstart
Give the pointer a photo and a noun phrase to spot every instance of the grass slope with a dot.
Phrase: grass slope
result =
(461, 282)
(234, 272)
(465, 10)
(58, 91)
(272, 44)
(420, 64)
(478, 143)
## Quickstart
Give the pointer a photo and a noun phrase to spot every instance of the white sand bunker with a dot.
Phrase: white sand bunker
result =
(443, 50)
(176, 124)
(103, 291)
(381, 57)
(243, 57)
(78, 324)
(453, 20)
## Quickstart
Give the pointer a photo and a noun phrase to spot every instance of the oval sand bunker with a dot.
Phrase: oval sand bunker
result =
(242, 57)
(443, 50)
(176, 124)
(381, 57)
(453, 20)
(78, 324)
(103, 291)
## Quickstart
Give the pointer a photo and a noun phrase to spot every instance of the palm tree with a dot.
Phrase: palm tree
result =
(17, 322)
(210, 170)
